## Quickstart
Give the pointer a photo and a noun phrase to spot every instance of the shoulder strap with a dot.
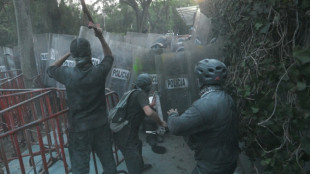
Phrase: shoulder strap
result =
(125, 98)
(129, 93)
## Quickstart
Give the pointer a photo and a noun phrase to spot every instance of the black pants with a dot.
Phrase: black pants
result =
(131, 147)
(81, 144)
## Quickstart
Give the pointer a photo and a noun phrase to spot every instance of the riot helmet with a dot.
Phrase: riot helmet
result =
(81, 51)
(144, 81)
(211, 72)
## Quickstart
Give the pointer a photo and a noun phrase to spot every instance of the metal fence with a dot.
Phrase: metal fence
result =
(37, 118)
(11, 79)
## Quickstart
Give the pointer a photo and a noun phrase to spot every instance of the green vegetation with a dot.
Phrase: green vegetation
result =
(8, 36)
(66, 17)
(267, 47)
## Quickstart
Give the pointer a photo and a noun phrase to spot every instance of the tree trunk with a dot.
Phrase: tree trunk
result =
(139, 21)
(25, 42)
(141, 15)
(144, 19)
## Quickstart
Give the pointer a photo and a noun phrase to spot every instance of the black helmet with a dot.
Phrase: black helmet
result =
(144, 81)
(80, 51)
(211, 72)
(80, 47)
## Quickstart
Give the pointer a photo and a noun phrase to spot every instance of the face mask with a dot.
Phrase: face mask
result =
(81, 61)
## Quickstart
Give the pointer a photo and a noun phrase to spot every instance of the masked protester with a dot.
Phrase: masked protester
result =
(210, 125)
(85, 87)
(127, 140)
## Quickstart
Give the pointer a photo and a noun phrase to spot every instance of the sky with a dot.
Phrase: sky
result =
(92, 1)
(89, 2)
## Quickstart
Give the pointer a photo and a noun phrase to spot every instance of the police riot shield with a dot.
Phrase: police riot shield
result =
(6, 59)
(112, 36)
(119, 78)
(144, 62)
(9, 58)
(60, 45)
(3, 62)
(48, 48)
(42, 44)
(153, 38)
(177, 81)
(140, 57)
(142, 39)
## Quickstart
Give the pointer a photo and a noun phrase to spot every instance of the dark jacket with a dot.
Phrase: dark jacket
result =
(210, 127)
(85, 89)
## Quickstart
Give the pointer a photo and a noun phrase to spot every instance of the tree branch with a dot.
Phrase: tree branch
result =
(95, 2)
(262, 123)
(131, 3)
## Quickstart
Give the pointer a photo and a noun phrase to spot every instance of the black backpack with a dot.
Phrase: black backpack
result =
(117, 115)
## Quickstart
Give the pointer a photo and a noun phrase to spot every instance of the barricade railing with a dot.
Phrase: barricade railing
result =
(34, 128)
(16, 82)
(10, 97)
(29, 122)
(10, 73)
(12, 91)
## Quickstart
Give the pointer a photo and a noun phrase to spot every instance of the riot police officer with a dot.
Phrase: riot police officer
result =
(210, 125)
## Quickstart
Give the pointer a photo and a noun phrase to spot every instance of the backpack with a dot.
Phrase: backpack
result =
(117, 115)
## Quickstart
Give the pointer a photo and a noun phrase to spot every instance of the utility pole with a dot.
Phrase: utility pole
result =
(25, 42)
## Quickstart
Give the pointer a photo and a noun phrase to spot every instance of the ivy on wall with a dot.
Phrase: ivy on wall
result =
(267, 49)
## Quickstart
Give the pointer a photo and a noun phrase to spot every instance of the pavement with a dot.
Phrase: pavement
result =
(178, 159)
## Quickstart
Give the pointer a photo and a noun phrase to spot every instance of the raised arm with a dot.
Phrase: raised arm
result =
(105, 47)
(56, 71)
(60, 61)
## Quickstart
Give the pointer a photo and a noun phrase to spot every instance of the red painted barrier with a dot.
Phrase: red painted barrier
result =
(37, 117)
(11, 79)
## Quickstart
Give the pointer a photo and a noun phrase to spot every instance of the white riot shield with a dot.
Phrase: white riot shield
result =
(60, 45)
(176, 82)
(3, 63)
(119, 78)
(42, 44)
(9, 56)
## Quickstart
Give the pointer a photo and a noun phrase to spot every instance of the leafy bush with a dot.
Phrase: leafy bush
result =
(267, 50)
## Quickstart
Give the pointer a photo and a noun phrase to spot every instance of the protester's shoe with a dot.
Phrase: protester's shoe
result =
(146, 166)
(159, 149)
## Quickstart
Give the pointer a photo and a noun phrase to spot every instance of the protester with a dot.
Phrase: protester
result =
(210, 125)
(127, 140)
(85, 87)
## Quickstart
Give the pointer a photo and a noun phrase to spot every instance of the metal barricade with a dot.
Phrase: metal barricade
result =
(10, 97)
(10, 73)
(34, 127)
(40, 114)
(11, 79)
